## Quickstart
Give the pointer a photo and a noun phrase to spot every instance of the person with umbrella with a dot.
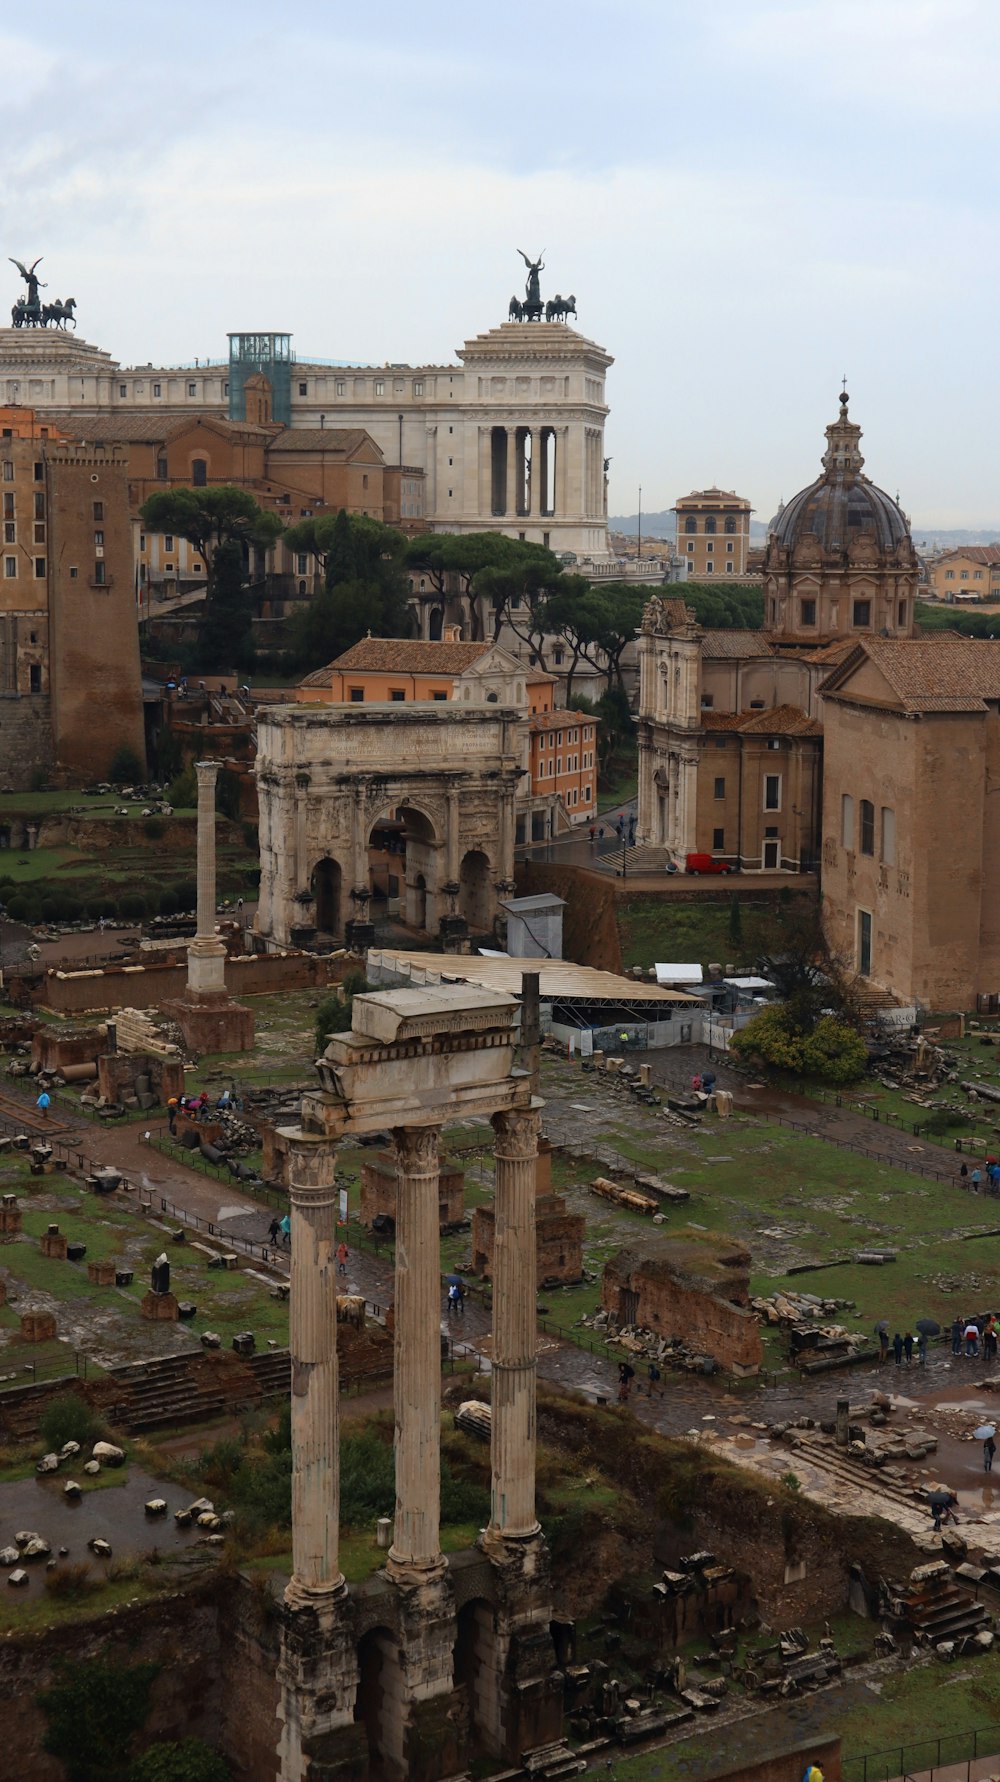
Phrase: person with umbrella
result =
(927, 1327)
(986, 1433)
(456, 1296)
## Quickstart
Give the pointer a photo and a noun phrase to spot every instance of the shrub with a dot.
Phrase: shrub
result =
(21, 908)
(832, 1050)
(68, 1418)
(227, 793)
(93, 1712)
(168, 902)
(182, 792)
(73, 1580)
(189, 1761)
(154, 828)
(133, 906)
(125, 768)
(51, 909)
(187, 894)
(39, 780)
(251, 836)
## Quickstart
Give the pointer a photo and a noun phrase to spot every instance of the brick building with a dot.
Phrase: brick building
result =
(696, 1288)
(558, 1241)
(713, 533)
(70, 690)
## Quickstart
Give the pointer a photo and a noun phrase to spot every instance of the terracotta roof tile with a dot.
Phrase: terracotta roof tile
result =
(927, 674)
(314, 439)
(401, 655)
(727, 646)
(988, 553)
(778, 720)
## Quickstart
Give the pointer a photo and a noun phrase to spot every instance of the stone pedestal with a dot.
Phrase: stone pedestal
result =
(207, 1017)
(212, 1023)
(37, 1327)
(157, 1306)
(11, 1216)
(359, 935)
(101, 1273)
(425, 1722)
(53, 1243)
(415, 1553)
(318, 1681)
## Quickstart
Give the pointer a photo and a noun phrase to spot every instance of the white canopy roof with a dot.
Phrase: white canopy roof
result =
(678, 974)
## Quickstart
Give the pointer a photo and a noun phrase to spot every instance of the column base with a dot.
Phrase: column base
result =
(408, 1574)
(529, 1710)
(359, 936)
(429, 1734)
(318, 1679)
(319, 1597)
(212, 1023)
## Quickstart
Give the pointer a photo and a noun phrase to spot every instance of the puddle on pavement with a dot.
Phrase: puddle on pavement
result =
(113, 1513)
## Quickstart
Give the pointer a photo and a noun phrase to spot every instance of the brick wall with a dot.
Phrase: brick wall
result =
(147, 986)
(378, 1191)
(25, 738)
(558, 1240)
(699, 1294)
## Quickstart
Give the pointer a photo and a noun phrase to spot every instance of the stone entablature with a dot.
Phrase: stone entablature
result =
(326, 775)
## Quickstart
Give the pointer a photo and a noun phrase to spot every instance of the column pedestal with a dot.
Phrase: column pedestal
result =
(206, 1015)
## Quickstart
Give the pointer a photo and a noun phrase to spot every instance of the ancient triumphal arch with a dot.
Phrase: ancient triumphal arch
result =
(327, 775)
(406, 1672)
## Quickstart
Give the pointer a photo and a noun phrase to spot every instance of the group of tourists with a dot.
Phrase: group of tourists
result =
(624, 829)
(902, 1346)
(975, 1336)
(198, 1107)
(987, 1177)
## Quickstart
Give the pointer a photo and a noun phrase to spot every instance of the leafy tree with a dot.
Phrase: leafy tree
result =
(223, 523)
(832, 1050)
(67, 1418)
(616, 725)
(618, 608)
(722, 608)
(189, 1760)
(464, 556)
(807, 976)
(366, 586)
(573, 613)
(182, 792)
(94, 1712)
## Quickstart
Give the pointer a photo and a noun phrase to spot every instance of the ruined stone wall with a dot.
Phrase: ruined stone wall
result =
(558, 1238)
(652, 1294)
(25, 738)
(248, 1658)
(147, 986)
(378, 1191)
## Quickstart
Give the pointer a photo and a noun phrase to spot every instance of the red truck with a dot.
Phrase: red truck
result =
(696, 863)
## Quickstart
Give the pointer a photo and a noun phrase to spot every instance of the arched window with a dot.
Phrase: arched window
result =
(709, 522)
(199, 472)
(730, 522)
(690, 524)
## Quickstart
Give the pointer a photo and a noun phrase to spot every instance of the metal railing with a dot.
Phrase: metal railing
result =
(952, 1752)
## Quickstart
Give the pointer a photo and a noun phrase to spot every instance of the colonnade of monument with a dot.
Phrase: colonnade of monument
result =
(413, 1060)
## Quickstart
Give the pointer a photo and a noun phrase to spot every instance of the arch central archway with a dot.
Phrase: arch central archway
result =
(406, 838)
(475, 899)
(327, 886)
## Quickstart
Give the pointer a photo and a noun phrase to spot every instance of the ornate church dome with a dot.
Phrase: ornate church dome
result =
(842, 504)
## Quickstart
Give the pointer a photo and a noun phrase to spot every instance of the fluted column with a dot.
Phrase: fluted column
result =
(415, 1553)
(206, 954)
(511, 488)
(515, 1342)
(315, 1386)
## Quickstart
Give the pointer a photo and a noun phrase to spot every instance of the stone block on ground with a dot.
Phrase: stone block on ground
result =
(37, 1327)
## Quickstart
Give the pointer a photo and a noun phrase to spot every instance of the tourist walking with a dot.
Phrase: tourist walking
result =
(971, 1338)
(956, 1336)
(285, 1227)
(897, 1348)
(975, 1179)
(172, 1116)
(922, 1348)
(654, 1378)
(42, 1104)
(989, 1449)
(963, 1175)
(882, 1332)
(273, 1229)
(908, 1347)
(342, 1254)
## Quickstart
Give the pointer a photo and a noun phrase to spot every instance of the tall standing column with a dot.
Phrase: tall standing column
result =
(512, 1513)
(415, 1553)
(206, 954)
(511, 507)
(315, 1385)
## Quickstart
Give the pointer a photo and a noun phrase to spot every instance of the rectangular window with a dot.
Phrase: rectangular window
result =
(397, 694)
(847, 820)
(729, 547)
(8, 507)
(10, 567)
(866, 839)
(99, 572)
(418, 386)
(9, 532)
(901, 614)
(39, 473)
(8, 471)
(558, 765)
(192, 389)
(439, 695)
(161, 468)
(302, 563)
(888, 847)
(39, 507)
(357, 695)
(98, 510)
(74, 572)
(303, 389)
(34, 678)
(39, 569)
(340, 386)
(720, 788)
(380, 386)
(99, 538)
(808, 610)
(772, 791)
(123, 389)
(156, 389)
(718, 838)
(862, 612)
(39, 533)
(865, 943)
(168, 541)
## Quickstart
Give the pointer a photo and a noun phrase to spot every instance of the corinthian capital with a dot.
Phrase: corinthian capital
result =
(516, 1133)
(415, 1149)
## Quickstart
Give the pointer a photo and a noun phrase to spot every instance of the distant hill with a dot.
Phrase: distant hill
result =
(932, 538)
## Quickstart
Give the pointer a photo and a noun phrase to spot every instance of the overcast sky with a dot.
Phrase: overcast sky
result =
(747, 199)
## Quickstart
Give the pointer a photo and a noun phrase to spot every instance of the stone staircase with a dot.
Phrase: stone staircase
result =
(607, 857)
(22, 1406)
(942, 1613)
(193, 1388)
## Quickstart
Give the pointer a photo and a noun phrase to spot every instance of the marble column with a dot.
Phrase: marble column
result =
(315, 1390)
(515, 1339)
(510, 491)
(415, 1554)
(206, 954)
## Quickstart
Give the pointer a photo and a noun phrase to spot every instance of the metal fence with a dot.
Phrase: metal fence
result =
(953, 1752)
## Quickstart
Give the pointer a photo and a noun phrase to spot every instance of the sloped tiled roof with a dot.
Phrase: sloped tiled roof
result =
(989, 553)
(315, 439)
(828, 654)
(401, 655)
(948, 673)
(732, 646)
(779, 720)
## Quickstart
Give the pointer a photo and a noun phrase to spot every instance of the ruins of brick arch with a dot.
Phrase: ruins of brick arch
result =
(436, 1657)
(328, 776)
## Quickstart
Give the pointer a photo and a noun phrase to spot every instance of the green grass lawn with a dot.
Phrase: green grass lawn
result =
(675, 928)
